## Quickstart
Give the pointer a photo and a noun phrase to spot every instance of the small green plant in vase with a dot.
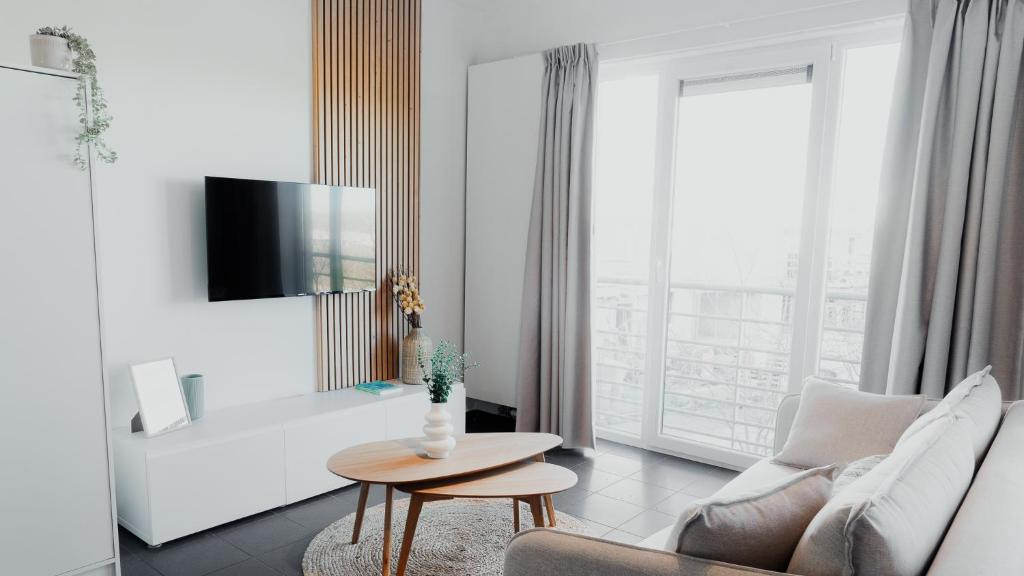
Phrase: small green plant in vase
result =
(447, 366)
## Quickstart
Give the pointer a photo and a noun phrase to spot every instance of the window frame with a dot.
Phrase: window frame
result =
(825, 52)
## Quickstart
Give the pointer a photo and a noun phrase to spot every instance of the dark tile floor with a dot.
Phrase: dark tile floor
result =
(623, 494)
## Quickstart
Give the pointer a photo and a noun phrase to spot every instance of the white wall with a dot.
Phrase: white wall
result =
(447, 46)
(196, 88)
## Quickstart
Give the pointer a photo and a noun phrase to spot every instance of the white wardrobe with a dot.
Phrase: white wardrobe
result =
(56, 504)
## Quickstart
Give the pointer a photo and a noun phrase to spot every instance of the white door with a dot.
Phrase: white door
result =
(732, 237)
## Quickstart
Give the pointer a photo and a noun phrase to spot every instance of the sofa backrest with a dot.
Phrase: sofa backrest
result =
(984, 537)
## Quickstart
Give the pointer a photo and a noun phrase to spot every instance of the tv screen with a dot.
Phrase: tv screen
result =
(272, 239)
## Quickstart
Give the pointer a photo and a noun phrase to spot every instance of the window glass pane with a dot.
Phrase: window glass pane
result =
(623, 191)
(740, 173)
(868, 76)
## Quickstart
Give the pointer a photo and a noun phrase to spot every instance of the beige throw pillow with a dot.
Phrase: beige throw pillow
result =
(758, 529)
(835, 424)
(977, 400)
(891, 520)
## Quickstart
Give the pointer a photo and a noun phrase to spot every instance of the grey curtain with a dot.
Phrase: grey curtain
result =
(553, 383)
(948, 269)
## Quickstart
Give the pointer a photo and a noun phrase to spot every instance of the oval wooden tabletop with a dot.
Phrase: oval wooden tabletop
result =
(403, 461)
(513, 481)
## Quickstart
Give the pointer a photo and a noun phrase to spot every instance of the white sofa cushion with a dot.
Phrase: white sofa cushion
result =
(978, 401)
(759, 528)
(892, 519)
(821, 432)
(856, 469)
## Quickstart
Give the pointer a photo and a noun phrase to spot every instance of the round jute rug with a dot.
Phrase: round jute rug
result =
(458, 537)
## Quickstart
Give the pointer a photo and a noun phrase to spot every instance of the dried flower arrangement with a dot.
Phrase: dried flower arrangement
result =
(406, 292)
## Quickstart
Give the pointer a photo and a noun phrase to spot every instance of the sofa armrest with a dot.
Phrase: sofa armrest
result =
(543, 552)
(784, 420)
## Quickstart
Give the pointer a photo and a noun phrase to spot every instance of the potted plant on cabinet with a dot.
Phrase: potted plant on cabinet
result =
(60, 47)
(447, 366)
(406, 292)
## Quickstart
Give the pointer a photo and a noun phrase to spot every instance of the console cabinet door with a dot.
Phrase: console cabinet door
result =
(310, 443)
(55, 498)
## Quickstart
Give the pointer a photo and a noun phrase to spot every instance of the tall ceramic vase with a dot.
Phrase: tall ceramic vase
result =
(438, 429)
(416, 339)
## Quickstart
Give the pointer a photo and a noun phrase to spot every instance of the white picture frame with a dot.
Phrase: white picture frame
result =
(162, 405)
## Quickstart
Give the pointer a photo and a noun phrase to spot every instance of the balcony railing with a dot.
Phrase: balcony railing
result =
(726, 359)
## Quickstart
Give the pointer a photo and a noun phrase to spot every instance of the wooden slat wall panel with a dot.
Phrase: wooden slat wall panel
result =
(366, 132)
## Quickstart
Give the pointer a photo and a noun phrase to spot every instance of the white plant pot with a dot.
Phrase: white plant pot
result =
(439, 442)
(49, 52)
(414, 340)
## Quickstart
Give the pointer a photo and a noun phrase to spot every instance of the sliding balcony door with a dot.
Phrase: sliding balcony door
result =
(734, 205)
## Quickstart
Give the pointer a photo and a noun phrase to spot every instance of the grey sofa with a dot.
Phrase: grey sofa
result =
(983, 537)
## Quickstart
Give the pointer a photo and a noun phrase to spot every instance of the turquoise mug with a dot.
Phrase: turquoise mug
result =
(192, 387)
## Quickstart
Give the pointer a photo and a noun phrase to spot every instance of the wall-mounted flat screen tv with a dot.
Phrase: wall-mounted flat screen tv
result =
(271, 239)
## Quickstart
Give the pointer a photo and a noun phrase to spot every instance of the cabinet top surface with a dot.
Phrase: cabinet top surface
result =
(403, 461)
(249, 418)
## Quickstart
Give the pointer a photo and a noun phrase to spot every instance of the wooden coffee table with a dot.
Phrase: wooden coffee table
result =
(526, 481)
(396, 462)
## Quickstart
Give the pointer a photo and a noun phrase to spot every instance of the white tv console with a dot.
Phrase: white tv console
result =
(240, 461)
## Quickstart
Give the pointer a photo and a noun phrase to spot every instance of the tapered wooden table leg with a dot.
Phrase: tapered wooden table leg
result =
(364, 491)
(538, 512)
(515, 514)
(385, 564)
(548, 501)
(551, 509)
(415, 505)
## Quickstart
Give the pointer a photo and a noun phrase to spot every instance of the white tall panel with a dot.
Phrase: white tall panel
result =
(502, 135)
(55, 491)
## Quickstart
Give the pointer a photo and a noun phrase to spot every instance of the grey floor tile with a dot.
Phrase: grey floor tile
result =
(320, 512)
(573, 494)
(616, 464)
(709, 482)
(287, 559)
(193, 556)
(593, 480)
(135, 566)
(130, 545)
(634, 453)
(636, 492)
(251, 567)
(595, 529)
(262, 534)
(673, 474)
(647, 522)
(623, 537)
(566, 458)
(604, 510)
(675, 504)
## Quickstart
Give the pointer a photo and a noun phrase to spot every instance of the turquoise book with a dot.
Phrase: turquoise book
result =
(378, 388)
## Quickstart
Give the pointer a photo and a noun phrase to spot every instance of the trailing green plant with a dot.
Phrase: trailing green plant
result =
(447, 366)
(83, 63)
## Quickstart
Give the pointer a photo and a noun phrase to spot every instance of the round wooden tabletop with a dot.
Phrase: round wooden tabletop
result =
(403, 461)
(513, 481)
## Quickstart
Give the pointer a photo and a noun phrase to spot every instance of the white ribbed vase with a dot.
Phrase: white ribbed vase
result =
(439, 442)
(49, 51)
